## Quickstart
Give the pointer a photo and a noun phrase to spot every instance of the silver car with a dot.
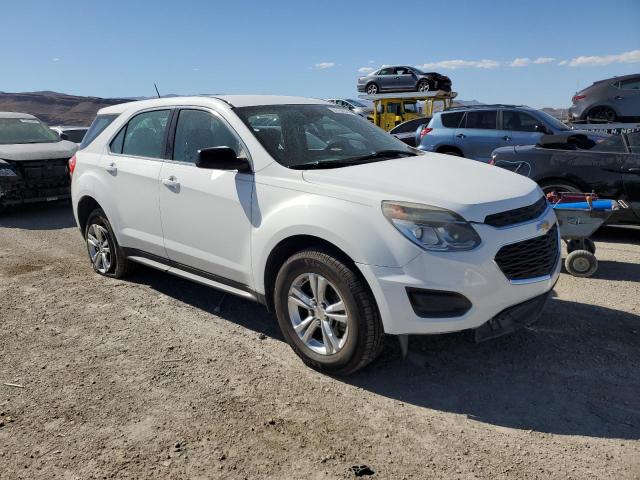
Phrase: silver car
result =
(611, 100)
(402, 79)
(363, 108)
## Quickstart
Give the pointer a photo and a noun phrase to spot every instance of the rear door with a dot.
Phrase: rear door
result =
(133, 164)
(206, 214)
(627, 98)
(478, 136)
(519, 128)
(631, 172)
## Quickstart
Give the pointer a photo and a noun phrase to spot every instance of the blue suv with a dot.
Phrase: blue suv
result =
(474, 132)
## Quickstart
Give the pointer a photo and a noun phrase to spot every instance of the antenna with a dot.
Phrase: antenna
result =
(157, 90)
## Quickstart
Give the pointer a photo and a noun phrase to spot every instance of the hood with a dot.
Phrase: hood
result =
(37, 151)
(467, 187)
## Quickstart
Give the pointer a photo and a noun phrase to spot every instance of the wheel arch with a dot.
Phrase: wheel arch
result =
(86, 205)
(590, 109)
(570, 179)
(449, 148)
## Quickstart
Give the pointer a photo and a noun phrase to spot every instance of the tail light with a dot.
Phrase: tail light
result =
(72, 165)
(424, 131)
(578, 97)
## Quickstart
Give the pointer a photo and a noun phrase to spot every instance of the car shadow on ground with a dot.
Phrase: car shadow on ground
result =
(620, 271)
(38, 216)
(572, 373)
(618, 234)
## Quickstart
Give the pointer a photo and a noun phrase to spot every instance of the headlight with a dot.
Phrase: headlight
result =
(431, 228)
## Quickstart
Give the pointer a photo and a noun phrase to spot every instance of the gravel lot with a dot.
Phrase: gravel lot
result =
(156, 377)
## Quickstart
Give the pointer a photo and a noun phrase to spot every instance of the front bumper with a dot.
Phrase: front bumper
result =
(473, 274)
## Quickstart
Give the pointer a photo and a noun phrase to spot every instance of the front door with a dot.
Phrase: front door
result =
(206, 214)
(627, 98)
(519, 128)
(133, 162)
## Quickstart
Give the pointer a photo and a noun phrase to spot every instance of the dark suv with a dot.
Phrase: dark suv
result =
(474, 132)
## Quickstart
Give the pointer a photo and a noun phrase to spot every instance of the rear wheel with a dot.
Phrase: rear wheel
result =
(606, 114)
(106, 256)
(327, 313)
(372, 89)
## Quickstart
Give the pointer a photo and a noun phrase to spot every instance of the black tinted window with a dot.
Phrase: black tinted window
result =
(634, 141)
(612, 144)
(484, 119)
(518, 121)
(145, 134)
(97, 127)
(452, 120)
(386, 71)
(196, 130)
(631, 84)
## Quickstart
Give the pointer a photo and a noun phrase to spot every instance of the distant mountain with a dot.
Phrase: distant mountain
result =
(56, 108)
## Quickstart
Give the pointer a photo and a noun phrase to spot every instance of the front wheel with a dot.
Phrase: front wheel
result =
(327, 313)
(424, 86)
(558, 187)
(372, 89)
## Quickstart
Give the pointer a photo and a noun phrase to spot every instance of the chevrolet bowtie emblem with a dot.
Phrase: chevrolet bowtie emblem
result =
(543, 226)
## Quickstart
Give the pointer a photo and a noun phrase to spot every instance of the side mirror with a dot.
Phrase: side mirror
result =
(64, 136)
(542, 129)
(221, 158)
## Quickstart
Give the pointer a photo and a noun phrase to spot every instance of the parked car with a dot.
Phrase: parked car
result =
(406, 131)
(475, 131)
(361, 107)
(73, 134)
(33, 161)
(402, 79)
(572, 162)
(339, 228)
(610, 100)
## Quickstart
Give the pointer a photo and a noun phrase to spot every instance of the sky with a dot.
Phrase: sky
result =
(537, 53)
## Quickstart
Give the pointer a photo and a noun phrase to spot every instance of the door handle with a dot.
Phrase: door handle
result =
(171, 182)
(506, 137)
(634, 170)
(461, 135)
(111, 168)
(618, 97)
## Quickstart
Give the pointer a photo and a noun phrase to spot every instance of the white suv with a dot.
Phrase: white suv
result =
(339, 228)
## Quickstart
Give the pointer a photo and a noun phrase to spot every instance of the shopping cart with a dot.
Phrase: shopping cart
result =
(579, 216)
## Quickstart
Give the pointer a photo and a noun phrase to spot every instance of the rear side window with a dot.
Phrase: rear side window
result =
(97, 127)
(483, 119)
(631, 84)
(451, 120)
(145, 133)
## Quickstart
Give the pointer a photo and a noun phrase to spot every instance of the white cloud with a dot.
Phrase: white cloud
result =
(325, 65)
(366, 69)
(563, 62)
(455, 64)
(55, 59)
(541, 60)
(632, 56)
(196, 69)
(520, 62)
(372, 61)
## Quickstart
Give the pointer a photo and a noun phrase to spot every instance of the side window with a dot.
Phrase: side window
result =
(612, 144)
(483, 119)
(97, 127)
(631, 84)
(144, 136)
(451, 120)
(386, 71)
(116, 143)
(634, 142)
(196, 130)
(518, 121)
(401, 71)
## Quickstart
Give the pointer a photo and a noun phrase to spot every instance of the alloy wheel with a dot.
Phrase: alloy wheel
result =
(423, 87)
(318, 314)
(372, 89)
(99, 248)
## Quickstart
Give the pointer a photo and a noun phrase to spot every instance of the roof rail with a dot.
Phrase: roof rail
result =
(490, 105)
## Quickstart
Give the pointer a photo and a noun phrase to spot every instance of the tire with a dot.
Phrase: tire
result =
(581, 263)
(337, 341)
(559, 186)
(423, 86)
(586, 244)
(606, 114)
(105, 255)
(372, 89)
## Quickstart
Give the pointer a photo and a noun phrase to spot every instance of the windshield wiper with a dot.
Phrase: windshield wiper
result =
(372, 157)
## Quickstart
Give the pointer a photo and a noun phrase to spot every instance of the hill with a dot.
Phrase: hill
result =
(56, 108)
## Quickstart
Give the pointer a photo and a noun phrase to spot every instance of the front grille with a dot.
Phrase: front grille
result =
(518, 215)
(531, 258)
(36, 180)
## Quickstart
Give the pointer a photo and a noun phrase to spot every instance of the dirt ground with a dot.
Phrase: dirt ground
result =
(156, 377)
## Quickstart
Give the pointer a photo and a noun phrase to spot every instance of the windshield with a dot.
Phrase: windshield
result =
(553, 122)
(25, 130)
(298, 136)
(358, 103)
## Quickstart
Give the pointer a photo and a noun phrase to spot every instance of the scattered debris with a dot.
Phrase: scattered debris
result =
(361, 470)
(13, 385)
(262, 336)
